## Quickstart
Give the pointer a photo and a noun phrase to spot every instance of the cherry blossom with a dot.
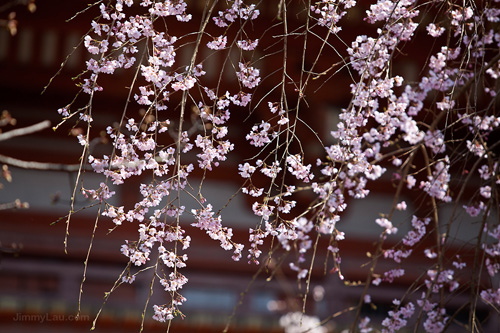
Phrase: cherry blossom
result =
(429, 137)
(218, 43)
(248, 75)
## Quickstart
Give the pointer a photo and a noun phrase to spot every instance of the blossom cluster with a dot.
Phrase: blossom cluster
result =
(428, 131)
(113, 42)
(295, 322)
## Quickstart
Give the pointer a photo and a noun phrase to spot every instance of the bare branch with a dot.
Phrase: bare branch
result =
(25, 130)
(39, 165)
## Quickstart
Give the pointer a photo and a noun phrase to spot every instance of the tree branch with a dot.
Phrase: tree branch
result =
(25, 130)
(16, 204)
(40, 165)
